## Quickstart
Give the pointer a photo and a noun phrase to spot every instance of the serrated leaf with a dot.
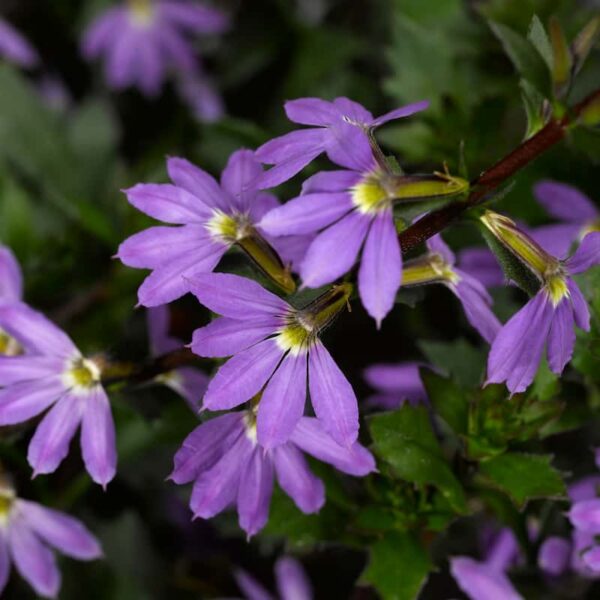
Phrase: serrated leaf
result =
(398, 566)
(523, 477)
(405, 440)
(448, 400)
(539, 38)
(524, 56)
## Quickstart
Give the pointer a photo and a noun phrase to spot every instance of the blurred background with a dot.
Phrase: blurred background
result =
(69, 144)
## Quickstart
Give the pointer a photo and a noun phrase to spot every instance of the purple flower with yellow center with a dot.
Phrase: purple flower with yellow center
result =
(53, 374)
(190, 383)
(395, 384)
(549, 318)
(276, 347)
(292, 582)
(28, 534)
(15, 48)
(487, 579)
(228, 466)
(439, 266)
(577, 214)
(339, 128)
(141, 40)
(209, 219)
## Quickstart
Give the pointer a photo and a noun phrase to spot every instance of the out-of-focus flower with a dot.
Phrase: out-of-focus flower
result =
(211, 218)
(395, 384)
(487, 579)
(549, 318)
(202, 96)
(11, 278)
(53, 374)
(577, 214)
(15, 48)
(438, 266)
(290, 578)
(274, 346)
(190, 383)
(554, 555)
(228, 466)
(481, 264)
(142, 40)
(29, 532)
(338, 128)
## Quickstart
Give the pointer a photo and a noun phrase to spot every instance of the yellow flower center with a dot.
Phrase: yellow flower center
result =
(295, 337)
(556, 286)
(141, 12)
(369, 195)
(8, 345)
(7, 498)
(229, 228)
(589, 228)
(82, 374)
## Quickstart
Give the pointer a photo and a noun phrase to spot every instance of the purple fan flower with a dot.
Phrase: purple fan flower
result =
(337, 128)
(11, 278)
(190, 383)
(228, 466)
(395, 384)
(277, 347)
(481, 264)
(15, 48)
(210, 218)
(142, 40)
(200, 93)
(549, 318)
(577, 214)
(29, 532)
(292, 582)
(53, 374)
(487, 579)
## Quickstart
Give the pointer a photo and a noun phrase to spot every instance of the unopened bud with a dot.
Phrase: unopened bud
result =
(430, 268)
(437, 185)
(321, 311)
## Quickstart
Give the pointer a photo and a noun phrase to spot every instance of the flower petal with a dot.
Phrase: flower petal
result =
(306, 214)
(226, 337)
(158, 320)
(380, 270)
(16, 48)
(251, 589)
(481, 264)
(348, 146)
(4, 563)
(561, 338)
(292, 582)
(334, 252)
(60, 530)
(25, 400)
(587, 255)
(15, 369)
(480, 582)
(332, 396)
(99, 35)
(402, 380)
(282, 402)
(190, 383)
(398, 113)
(202, 186)
(554, 555)
(11, 278)
(98, 446)
(311, 111)
(50, 443)
(297, 480)
(331, 181)
(585, 516)
(196, 18)
(581, 310)
(565, 202)
(239, 178)
(556, 239)
(254, 494)
(437, 245)
(236, 297)
(242, 376)
(311, 437)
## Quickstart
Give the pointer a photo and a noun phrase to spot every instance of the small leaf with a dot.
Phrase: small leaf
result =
(584, 42)
(524, 56)
(562, 61)
(449, 401)
(534, 104)
(539, 38)
(405, 440)
(523, 477)
(398, 567)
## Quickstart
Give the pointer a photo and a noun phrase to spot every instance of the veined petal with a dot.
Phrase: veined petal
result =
(561, 338)
(297, 480)
(311, 437)
(292, 582)
(587, 255)
(282, 402)
(334, 252)
(25, 400)
(52, 438)
(202, 448)
(332, 396)
(517, 349)
(254, 493)
(242, 376)
(4, 562)
(239, 178)
(34, 561)
(169, 203)
(11, 278)
(348, 146)
(60, 530)
(15, 369)
(202, 186)
(236, 297)
(34, 331)
(251, 589)
(306, 214)
(565, 202)
(330, 181)
(399, 113)
(311, 111)
(226, 337)
(156, 246)
(480, 582)
(98, 446)
(380, 270)
(581, 312)
(172, 279)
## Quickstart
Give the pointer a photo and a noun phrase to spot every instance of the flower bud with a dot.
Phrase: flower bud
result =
(431, 268)
(562, 61)
(321, 312)
(438, 185)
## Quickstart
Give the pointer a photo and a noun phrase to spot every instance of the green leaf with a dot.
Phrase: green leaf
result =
(405, 440)
(398, 566)
(525, 57)
(523, 477)
(533, 102)
(458, 358)
(539, 38)
(448, 399)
